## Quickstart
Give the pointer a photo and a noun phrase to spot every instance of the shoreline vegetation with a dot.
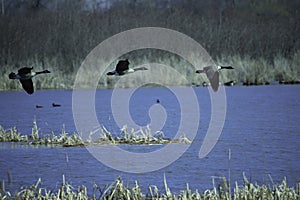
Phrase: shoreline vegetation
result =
(259, 38)
(104, 137)
(246, 72)
(120, 190)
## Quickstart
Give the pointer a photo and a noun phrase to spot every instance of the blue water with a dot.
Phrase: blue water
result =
(262, 131)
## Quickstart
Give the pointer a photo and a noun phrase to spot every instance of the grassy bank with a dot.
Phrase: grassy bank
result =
(260, 38)
(248, 71)
(100, 136)
(119, 190)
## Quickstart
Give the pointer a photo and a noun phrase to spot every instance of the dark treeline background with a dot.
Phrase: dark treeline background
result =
(60, 33)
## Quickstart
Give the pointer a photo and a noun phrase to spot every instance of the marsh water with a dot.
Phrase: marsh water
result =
(262, 131)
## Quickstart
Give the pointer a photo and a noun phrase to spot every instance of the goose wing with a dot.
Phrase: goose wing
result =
(214, 81)
(27, 84)
(25, 70)
(122, 66)
(209, 71)
(213, 77)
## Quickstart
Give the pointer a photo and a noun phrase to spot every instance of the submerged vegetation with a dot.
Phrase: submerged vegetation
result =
(132, 137)
(119, 190)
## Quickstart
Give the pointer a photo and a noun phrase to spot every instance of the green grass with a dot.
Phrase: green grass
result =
(100, 136)
(119, 190)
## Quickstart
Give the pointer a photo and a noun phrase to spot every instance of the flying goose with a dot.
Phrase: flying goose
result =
(212, 75)
(24, 75)
(123, 68)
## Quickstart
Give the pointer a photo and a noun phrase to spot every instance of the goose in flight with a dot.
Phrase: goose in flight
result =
(123, 68)
(25, 76)
(212, 75)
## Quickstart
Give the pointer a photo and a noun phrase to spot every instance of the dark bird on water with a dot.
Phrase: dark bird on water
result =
(25, 76)
(157, 101)
(230, 83)
(212, 75)
(55, 105)
(38, 106)
(123, 68)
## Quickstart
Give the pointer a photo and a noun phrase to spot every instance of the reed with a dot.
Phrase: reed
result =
(65, 139)
(118, 190)
(248, 71)
(134, 137)
(36, 191)
(12, 135)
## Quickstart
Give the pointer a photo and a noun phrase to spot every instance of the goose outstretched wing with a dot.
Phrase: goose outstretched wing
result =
(122, 66)
(27, 84)
(25, 70)
(214, 81)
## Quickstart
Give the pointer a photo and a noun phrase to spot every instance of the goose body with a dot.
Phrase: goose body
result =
(25, 76)
(212, 75)
(123, 68)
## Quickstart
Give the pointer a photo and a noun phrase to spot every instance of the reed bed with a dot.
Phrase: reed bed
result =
(119, 190)
(259, 71)
(248, 71)
(104, 137)
(36, 191)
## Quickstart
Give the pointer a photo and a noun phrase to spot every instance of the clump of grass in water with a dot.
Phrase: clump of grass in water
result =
(140, 137)
(132, 137)
(12, 135)
(65, 139)
(35, 131)
(117, 190)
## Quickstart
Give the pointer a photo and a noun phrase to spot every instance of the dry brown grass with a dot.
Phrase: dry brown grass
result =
(118, 190)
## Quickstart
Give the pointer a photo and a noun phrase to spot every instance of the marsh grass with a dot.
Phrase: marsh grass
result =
(37, 191)
(145, 136)
(119, 190)
(248, 71)
(12, 135)
(65, 139)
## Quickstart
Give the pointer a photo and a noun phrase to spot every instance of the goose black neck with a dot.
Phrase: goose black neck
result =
(43, 72)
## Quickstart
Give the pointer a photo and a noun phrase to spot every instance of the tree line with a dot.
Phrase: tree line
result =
(61, 33)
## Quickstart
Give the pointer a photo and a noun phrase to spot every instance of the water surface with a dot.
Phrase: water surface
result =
(262, 131)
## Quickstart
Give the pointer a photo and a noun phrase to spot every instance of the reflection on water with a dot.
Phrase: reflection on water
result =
(262, 130)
